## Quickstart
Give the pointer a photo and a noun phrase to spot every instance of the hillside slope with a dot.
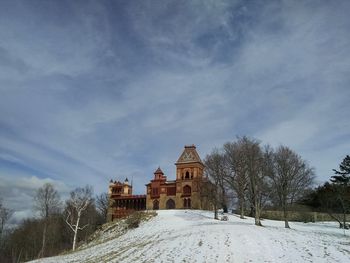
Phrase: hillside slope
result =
(193, 236)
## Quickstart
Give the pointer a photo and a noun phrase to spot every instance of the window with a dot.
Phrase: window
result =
(170, 204)
(171, 191)
(116, 191)
(187, 190)
(155, 191)
(155, 205)
(187, 202)
(187, 175)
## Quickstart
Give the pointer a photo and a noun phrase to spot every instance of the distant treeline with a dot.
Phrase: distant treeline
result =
(57, 229)
(259, 176)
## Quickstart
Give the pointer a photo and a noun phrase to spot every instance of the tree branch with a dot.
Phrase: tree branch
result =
(69, 224)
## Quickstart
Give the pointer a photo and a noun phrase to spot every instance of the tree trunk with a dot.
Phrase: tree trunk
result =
(1, 228)
(285, 216)
(215, 212)
(224, 205)
(257, 213)
(76, 231)
(42, 251)
(257, 221)
(335, 218)
(343, 225)
(241, 207)
(242, 212)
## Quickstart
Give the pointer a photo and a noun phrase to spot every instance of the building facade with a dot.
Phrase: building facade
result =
(181, 193)
(184, 192)
(121, 200)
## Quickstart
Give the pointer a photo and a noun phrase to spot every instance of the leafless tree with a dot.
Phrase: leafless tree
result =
(215, 171)
(249, 166)
(79, 201)
(102, 204)
(5, 215)
(254, 163)
(237, 177)
(267, 169)
(46, 202)
(290, 178)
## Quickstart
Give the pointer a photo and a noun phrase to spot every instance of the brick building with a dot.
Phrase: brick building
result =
(181, 193)
(184, 192)
(121, 200)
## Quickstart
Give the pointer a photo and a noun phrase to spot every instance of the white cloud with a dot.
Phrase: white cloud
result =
(117, 91)
(294, 133)
(18, 191)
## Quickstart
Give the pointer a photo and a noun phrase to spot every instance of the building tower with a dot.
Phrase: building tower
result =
(184, 192)
(189, 174)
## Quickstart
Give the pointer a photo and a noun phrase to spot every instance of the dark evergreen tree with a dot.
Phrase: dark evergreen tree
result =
(341, 181)
(343, 175)
(324, 199)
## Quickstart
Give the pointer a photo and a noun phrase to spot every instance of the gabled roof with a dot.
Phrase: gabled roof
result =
(158, 171)
(189, 155)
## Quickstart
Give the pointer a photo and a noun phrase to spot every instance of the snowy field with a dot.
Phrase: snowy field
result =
(193, 236)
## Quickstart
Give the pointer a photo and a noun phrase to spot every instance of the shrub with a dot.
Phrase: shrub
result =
(134, 220)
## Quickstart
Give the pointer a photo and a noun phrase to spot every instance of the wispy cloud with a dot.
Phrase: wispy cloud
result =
(95, 90)
(18, 191)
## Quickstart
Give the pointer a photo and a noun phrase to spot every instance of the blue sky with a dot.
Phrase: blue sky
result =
(94, 90)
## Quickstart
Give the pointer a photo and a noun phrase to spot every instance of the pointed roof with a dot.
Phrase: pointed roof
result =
(189, 155)
(158, 171)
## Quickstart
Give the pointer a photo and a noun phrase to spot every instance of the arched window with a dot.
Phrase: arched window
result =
(187, 202)
(170, 204)
(155, 205)
(187, 176)
(187, 190)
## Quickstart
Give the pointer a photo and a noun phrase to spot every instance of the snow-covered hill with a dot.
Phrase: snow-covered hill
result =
(193, 236)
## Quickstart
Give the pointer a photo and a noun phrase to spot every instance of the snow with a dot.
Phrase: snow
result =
(194, 236)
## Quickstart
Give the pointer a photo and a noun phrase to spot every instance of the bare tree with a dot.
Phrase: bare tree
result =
(102, 204)
(208, 195)
(256, 176)
(267, 171)
(290, 178)
(215, 171)
(237, 177)
(79, 201)
(249, 167)
(5, 215)
(46, 202)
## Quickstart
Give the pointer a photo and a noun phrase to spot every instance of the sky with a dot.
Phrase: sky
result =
(98, 90)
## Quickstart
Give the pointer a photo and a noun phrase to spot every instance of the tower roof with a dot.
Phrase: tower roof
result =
(158, 171)
(189, 155)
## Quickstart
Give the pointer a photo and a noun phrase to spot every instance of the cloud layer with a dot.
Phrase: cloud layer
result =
(98, 90)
